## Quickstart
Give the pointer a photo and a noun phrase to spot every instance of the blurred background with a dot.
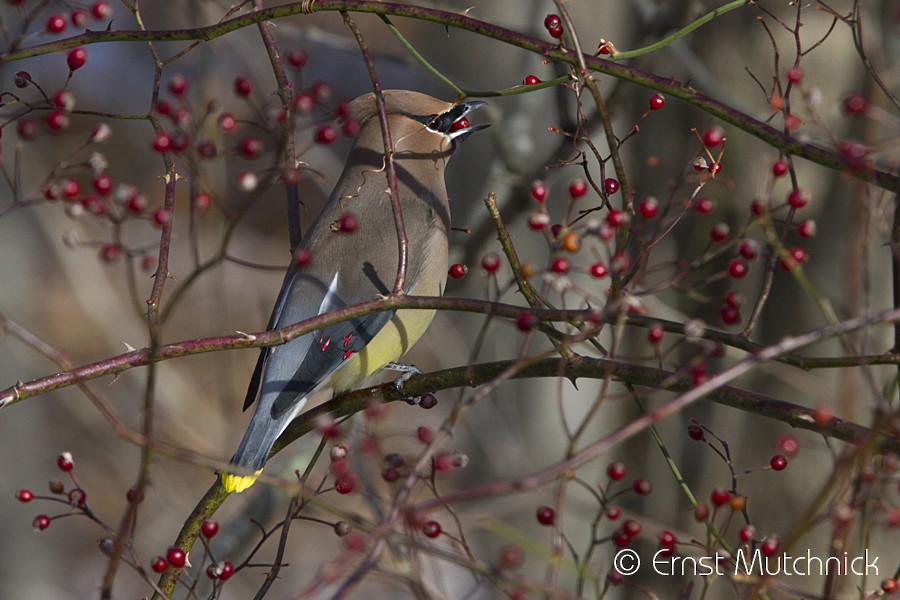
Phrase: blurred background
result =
(60, 287)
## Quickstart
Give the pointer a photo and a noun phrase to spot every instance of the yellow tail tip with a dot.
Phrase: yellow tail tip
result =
(238, 483)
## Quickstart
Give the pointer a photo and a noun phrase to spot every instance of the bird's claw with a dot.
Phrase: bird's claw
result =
(406, 372)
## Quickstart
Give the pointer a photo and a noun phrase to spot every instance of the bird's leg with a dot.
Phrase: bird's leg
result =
(406, 371)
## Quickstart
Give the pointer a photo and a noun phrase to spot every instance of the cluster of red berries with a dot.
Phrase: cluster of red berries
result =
(177, 558)
(74, 496)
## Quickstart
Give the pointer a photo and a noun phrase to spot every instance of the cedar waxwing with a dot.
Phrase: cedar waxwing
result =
(348, 267)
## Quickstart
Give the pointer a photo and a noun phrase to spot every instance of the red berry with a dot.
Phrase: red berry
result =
(159, 564)
(304, 103)
(251, 147)
(616, 471)
(209, 529)
(490, 262)
(657, 102)
(546, 515)
(297, 58)
(778, 463)
(326, 134)
(458, 271)
(526, 322)
(737, 268)
(162, 216)
(56, 23)
(162, 142)
(719, 232)
(617, 218)
(749, 249)
(648, 207)
(226, 570)
(807, 229)
(613, 513)
(57, 120)
(789, 445)
(552, 20)
(41, 522)
(560, 265)
(76, 58)
(796, 256)
(713, 137)
(101, 10)
(667, 539)
(621, 539)
(599, 270)
(425, 434)
(578, 188)
(531, 80)
(770, 546)
(227, 122)
(641, 487)
(344, 484)
(631, 528)
(176, 557)
(65, 462)
(855, 104)
(655, 334)
(798, 198)
(695, 432)
(431, 529)
(556, 32)
(758, 208)
(79, 18)
(27, 129)
(24, 496)
(779, 168)
(704, 205)
(103, 184)
(611, 185)
(854, 153)
(889, 585)
(110, 253)
(538, 221)
(720, 496)
(747, 533)
(538, 191)
(795, 75)
(730, 315)
(243, 85)
(348, 223)
(178, 85)
(322, 91)
(202, 201)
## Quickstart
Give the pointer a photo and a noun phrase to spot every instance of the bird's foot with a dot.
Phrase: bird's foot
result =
(406, 372)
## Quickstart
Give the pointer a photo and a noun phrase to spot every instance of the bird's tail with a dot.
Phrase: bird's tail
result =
(258, 440)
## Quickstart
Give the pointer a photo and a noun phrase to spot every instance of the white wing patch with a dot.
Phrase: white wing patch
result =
(331, 301)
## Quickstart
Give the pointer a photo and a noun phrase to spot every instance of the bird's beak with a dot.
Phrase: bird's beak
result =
(458, 134)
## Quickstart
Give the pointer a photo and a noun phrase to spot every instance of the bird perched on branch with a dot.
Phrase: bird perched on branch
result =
(350, 254)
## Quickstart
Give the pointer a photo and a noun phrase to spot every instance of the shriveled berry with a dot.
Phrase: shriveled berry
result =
(571, 242)
(701, 511)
